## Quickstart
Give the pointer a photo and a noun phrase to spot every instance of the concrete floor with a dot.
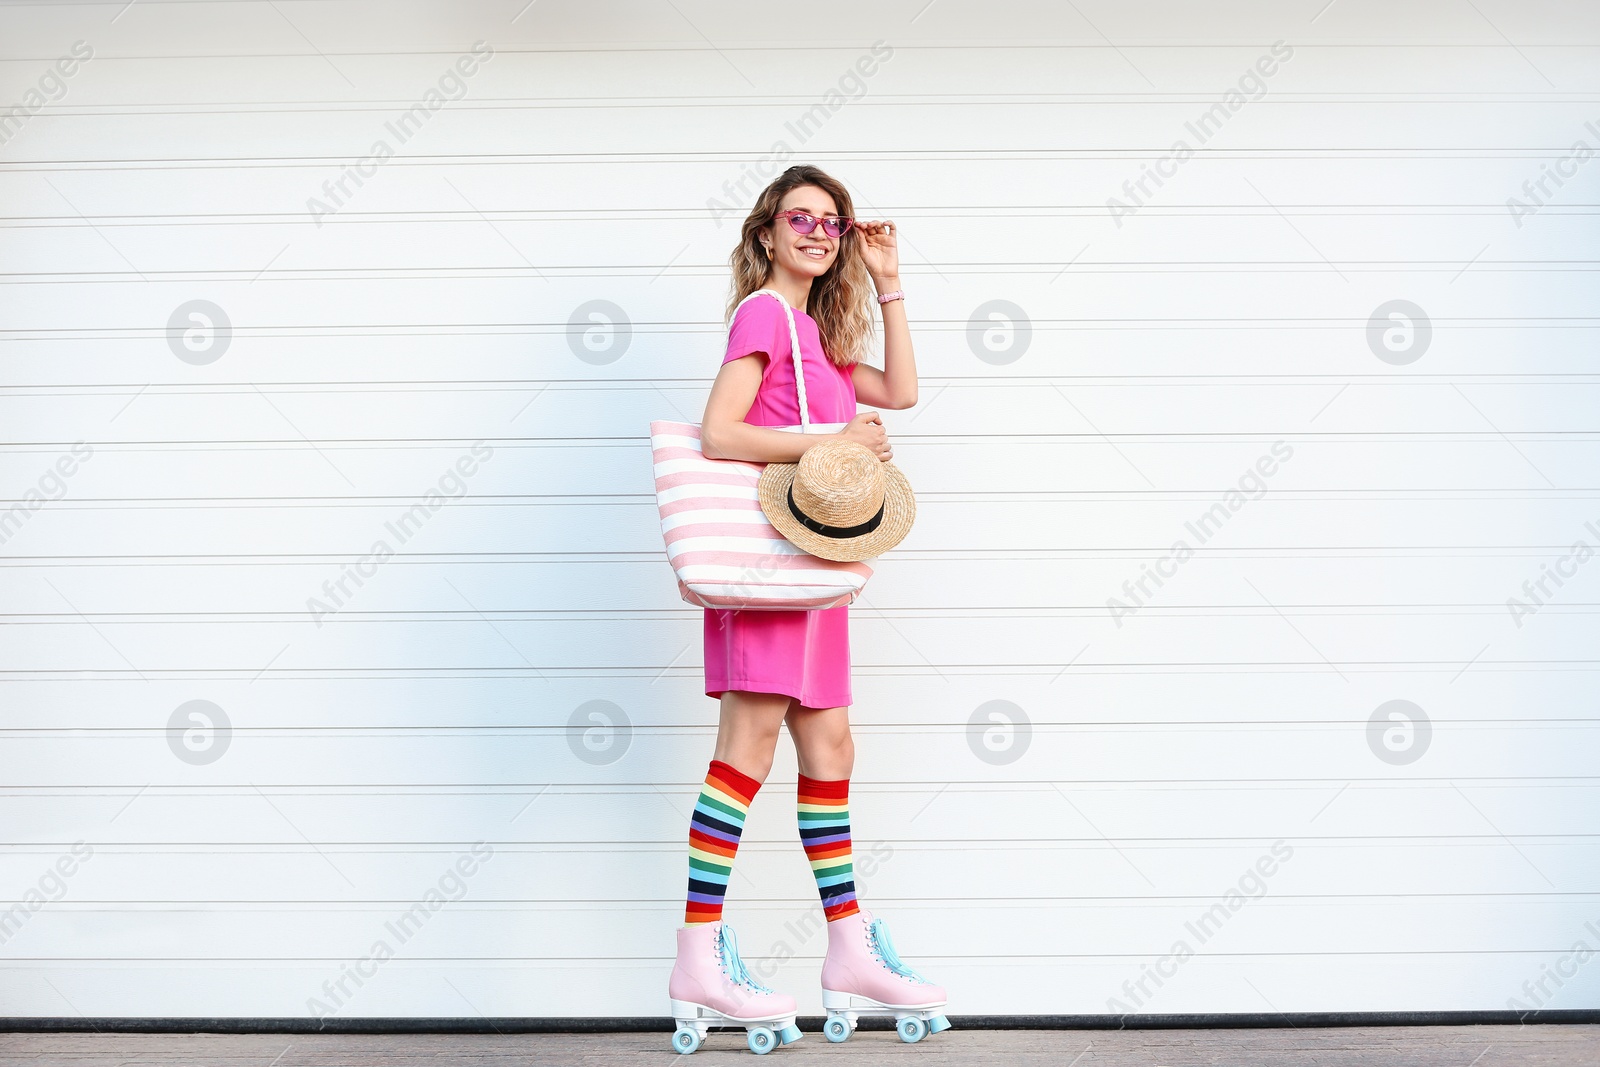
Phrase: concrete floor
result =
(1550, 1045)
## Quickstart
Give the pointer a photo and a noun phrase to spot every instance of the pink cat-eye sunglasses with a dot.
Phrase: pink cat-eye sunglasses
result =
(804, 222)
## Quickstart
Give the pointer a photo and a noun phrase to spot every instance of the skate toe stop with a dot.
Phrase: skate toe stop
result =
(938, 1024)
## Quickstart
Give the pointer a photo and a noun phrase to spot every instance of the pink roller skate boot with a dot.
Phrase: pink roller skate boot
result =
(711, 987)
(862, 975)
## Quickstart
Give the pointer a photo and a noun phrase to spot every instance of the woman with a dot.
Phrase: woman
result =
(775, 667)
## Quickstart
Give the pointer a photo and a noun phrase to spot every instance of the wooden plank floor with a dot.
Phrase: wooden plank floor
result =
(1390, 1046)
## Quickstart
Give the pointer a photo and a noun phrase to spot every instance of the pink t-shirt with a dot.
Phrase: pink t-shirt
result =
(759, 326)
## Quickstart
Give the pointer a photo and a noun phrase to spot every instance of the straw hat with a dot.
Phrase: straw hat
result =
(839, 502)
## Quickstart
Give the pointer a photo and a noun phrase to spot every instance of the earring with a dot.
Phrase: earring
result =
(769, 250)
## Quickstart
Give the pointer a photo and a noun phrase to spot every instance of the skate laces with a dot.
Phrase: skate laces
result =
(886, 952)
(734, 967)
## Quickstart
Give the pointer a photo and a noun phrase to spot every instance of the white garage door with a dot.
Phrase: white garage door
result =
(1242, 659)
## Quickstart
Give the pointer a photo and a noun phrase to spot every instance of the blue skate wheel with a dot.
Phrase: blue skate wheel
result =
(685, 1040)
(938, 1024)
(836, 1029)
(789, 1035)
(911, 1029)
(762, 1040)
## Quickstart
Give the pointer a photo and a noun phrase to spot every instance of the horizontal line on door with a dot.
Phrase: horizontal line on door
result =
(1131, 900)
(739, 158)
(619, 384)
(759, 101)
(698, 216)
(512, 730)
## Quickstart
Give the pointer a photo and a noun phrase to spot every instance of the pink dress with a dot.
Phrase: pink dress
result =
(804, 654)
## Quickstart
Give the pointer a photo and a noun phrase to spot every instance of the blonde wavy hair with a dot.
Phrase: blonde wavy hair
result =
(839, 299)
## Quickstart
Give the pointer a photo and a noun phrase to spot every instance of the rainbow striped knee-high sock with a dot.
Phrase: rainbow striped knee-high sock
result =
(823, 808)
(714, 832)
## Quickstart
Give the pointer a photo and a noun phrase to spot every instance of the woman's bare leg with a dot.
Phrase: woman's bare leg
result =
(822, 742)
(747, 731)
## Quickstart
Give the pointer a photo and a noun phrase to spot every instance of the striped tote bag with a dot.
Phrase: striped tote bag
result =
(723, 551)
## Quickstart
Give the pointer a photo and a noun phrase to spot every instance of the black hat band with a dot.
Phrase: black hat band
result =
(836, 531)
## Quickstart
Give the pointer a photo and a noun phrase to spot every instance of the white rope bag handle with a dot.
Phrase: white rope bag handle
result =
(794, 349)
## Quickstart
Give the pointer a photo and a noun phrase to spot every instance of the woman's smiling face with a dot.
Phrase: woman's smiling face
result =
(806, 254)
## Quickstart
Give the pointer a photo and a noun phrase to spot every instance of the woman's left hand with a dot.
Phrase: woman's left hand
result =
(878, 249)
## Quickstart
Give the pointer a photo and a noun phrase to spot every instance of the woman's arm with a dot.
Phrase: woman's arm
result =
(725, 435)
(723, 432)
(895, 386)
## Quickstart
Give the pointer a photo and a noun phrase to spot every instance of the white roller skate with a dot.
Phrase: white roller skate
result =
(711, 987)
(862, 975)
